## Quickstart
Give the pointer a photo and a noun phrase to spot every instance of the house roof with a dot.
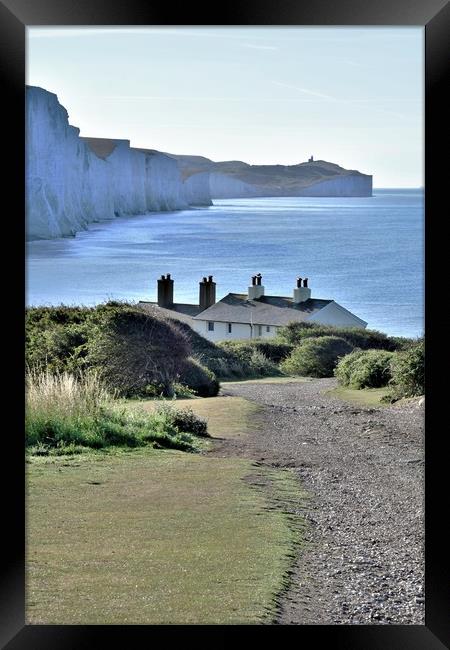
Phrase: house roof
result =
(181, 311)
(267, 310)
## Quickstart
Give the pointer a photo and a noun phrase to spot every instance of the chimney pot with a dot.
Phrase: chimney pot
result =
(256, 291)
(165, 291)
(305, 282)
(207, 292)
(299, 282)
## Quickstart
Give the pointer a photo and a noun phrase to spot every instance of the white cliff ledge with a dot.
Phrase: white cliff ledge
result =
(72, 181)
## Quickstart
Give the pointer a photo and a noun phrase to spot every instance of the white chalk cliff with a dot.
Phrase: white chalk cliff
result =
(72, 181)
(225, 187)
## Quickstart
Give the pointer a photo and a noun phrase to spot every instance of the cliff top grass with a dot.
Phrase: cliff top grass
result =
(159, 537)
(366, 397)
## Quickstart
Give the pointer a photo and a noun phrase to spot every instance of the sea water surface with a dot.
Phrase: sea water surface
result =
(365, 253)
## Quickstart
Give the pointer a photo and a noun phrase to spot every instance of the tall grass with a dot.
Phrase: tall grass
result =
(65, 395)
(65, 414)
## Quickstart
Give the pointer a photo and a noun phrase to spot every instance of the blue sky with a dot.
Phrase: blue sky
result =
(353, 96)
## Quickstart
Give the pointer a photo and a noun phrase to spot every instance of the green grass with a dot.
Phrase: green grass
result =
(156, 537)
(227, 417)
(160, 537)
(370, 397)
(66, 413)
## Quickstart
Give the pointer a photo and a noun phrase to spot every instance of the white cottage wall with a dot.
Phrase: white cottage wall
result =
(334, 314)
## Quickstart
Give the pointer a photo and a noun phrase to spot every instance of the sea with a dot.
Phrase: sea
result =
(367, 254)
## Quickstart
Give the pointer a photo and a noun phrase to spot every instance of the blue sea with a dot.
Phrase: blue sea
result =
(365, 253)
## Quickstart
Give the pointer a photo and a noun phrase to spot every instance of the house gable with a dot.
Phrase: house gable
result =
(335, 314)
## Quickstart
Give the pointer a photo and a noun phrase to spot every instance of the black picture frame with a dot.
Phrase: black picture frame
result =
(434, 16)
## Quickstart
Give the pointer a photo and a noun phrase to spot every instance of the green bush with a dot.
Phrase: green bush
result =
(274, 350)
(228, 367)
(250, 359)
(261, 366)
(365, 369)
(132, 349)
(358, 337)
(198, 378)
(408, 373)
(55, 338)
(185, 420)
(403, 343)
(316, 357)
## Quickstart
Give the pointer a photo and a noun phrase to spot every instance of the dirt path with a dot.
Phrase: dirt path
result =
(363, 468)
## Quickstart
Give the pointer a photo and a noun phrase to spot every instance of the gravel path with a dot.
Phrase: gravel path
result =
(363, 468)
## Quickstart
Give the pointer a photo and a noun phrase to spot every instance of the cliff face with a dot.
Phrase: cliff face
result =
(72, 181)
(236, 179)
(197, 189)
(348, 185)
(226, 187)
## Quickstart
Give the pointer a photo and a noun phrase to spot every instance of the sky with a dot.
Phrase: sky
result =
(264, 95)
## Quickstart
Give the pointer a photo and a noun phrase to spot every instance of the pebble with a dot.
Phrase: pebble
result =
(364, 561)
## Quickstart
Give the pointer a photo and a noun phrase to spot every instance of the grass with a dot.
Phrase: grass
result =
(70, 414)
(151, 537)
(370, 397)
(145, 536)
(227, 417)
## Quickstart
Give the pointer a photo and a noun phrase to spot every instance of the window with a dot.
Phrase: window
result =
(210, 326)
(267, 328)
(229, 328)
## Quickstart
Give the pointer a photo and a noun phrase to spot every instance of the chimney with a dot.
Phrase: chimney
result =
(165, 291)
(301, 291)
(256, 290)
(207, 292)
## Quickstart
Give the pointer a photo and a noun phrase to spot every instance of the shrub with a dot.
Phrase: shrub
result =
(404, 343)
(316, 357)
(185, 420)
(358, 337)
(56, 338)
(365, 369)
(408, 373)
(261, 366)
(228, 367)
(274, 350)
(198, 378)
(132, 349)
(254, 358)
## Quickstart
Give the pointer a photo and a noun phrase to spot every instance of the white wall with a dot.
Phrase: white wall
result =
(334, 314)
(238, 331)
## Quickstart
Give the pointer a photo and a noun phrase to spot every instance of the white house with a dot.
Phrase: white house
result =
(251, 314)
